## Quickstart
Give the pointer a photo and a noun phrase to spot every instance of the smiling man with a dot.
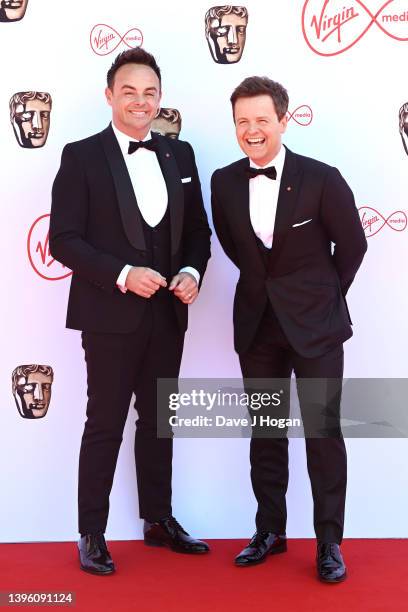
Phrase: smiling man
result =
(128, 219)
(277, 215)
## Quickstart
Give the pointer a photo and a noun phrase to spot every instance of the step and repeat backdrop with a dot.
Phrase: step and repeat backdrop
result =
(344, 65)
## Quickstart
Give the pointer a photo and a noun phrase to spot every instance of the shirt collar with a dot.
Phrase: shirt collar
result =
(278, 161)
(124, 139)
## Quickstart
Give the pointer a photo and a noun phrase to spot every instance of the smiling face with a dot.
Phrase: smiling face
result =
(134, 98)
(226, 38)
(258, 128)
(14, 10)
(32, 123)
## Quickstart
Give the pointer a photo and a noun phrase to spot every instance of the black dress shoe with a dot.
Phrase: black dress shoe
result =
(330, 564)
(168, 532)
(262, 544)
(94, 556)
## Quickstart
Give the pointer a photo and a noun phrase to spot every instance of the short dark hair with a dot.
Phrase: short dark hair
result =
(132, 56)
(258, 86)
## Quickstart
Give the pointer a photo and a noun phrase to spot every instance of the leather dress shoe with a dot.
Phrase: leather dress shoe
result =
(330, 564)
(94, 555)
(168, 532)
(262, 544)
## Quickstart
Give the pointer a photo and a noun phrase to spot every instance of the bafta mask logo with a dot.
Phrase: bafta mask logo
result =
(168, 123)
(30, 117)
(32, 389)
(12, 10)
(225, 30)
(403, 125)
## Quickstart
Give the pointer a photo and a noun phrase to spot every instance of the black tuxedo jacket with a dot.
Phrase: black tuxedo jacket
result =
(305, 280)
(96, 228)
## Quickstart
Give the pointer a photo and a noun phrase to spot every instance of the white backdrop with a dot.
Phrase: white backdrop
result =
(355, 95)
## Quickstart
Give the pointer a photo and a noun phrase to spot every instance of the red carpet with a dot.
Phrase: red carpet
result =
(151, 579)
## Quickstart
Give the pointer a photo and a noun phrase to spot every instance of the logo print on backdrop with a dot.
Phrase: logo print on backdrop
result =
(225, 31)
(31, 385)
(168, 123)
(302, 115)
(39, 254)
(403, 125)
(373, 221)
(12, 10)
(105, 39)
(30, 117)
(331, 27)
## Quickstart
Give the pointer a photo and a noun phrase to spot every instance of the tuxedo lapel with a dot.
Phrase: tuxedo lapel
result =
(286, 205)
(240, 197)
(129, 210)
(175, 192)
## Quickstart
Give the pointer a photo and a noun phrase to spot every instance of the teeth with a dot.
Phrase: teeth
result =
(255, 140)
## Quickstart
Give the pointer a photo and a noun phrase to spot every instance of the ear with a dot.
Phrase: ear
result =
(283, 124)
(108, 95)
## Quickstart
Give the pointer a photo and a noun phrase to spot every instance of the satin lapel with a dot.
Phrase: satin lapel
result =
(171, 174)
(129, 210)
(287, 199)
(240, 198)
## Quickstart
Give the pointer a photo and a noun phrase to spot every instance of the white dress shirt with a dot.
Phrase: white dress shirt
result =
(150, 190)
(263, 199)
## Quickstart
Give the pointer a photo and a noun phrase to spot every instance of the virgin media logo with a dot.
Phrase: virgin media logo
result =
(331, 27)
(302, 115)
(38, 251)
(373, 221)
(104, 39)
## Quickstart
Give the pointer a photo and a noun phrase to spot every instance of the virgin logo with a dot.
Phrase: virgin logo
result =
(104, 39)
(331, 27)
(38, 251)
(302, 115)
(373, 221)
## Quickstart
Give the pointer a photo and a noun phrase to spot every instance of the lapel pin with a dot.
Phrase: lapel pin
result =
(289, 188)
(167, 154)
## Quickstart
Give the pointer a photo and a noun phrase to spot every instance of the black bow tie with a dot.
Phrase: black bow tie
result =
(134, 145)
(269, 172)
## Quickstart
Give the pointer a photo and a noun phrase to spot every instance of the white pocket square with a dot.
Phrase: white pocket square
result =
(302, 223)
(186, 180)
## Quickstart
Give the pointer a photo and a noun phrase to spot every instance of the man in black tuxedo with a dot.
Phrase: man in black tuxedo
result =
(128, 218)
(276, 215)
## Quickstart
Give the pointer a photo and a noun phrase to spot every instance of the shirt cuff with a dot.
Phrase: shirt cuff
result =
(121, 281)
(191, 271)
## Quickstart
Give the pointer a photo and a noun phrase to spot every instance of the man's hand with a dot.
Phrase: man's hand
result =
(185, 287)
(144, 281)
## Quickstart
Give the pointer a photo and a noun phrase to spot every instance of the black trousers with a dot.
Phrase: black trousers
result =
(271, 356)
(119, 365)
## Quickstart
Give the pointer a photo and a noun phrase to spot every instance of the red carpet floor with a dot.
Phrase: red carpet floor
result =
(151, 579)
